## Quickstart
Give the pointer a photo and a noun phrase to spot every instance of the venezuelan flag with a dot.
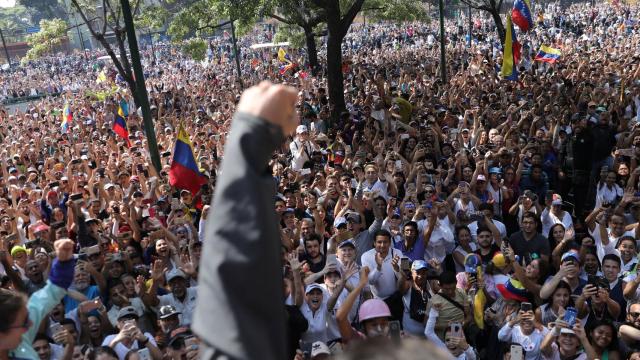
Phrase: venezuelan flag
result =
(511, 53)
(548, 54)
(184, 172)
(120, 125)
(521, 14)
(285, 68)
(283, 56)
(67, 116)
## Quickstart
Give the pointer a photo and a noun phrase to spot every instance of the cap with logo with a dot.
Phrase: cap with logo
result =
(175, 273)
(167, 311)
(128, 312)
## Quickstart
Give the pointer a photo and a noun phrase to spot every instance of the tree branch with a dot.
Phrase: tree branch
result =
(213, 27)
(281, 19)
(347, 19)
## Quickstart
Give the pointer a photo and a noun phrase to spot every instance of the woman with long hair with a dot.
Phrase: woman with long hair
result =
(464, 246)
(560, 299)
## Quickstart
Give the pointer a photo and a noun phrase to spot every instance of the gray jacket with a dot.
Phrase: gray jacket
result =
(240, 310)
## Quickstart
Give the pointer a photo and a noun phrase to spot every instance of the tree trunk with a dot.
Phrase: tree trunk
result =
(335, 79)
(495, 14)
(312, 50)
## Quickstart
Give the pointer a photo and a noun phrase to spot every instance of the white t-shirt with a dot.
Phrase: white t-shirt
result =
(549, 219)
(318, 323)
(473, 228)
(186, 307)
(602, 250)
(122, 350)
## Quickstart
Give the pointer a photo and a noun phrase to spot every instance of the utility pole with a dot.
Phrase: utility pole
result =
(236, 53)
(6, 51)
(443, 60)
(140, 86)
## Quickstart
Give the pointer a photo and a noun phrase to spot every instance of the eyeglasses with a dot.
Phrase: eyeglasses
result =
(25, 325)
(634, 314)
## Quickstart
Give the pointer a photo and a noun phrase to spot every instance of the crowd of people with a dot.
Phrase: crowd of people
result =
(495, 219)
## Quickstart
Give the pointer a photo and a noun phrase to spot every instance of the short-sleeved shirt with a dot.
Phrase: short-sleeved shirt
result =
(449, 312)
(538, 244)
(186, 307)
(122, 350)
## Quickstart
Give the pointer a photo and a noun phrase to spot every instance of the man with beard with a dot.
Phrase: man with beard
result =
(182, 298)
(312, 255)
(169, 320)
(528, 241)
(487, 248)
(81, 284)
(630, 331)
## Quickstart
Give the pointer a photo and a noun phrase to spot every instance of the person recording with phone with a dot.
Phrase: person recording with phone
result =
(522, 329)
(455, 341)
(567, 341)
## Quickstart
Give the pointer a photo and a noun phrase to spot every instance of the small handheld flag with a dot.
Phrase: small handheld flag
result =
(184, 172)
(67, 116)
(283, 56)
(548, 54)
(120, 125)
(521, 14)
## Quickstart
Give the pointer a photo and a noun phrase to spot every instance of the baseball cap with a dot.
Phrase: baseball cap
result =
(570, 255)
(557, 200)
(175, 273)
(495, 170)
(16, 249)
(339, 221)
(471, 263)
(128, 312)
(464, 130)
(352, 216)
(567, 331)
(312, 287)
(346, 243)
(301, 129)
(319, 348)
(419, 265)
(481, 178)
(168, 311)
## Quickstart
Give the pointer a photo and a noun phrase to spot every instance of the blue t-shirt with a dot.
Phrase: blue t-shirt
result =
(90, 292)
(415, 253)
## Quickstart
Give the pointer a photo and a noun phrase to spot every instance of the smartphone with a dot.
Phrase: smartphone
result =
(92, 250)
(75, 161)
(456, 330)
(592, 280)
(305, 171)
(394, 330)
(76, 196)
(144, 354)
(405, 265)
(191, 342)
(404, 136)
(516, 352)
(54, 184)
(570, 315)
(399, 164)
(526, 306)
(55, 328)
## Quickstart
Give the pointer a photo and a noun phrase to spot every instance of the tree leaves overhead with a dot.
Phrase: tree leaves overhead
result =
(51, 34)
(45, 9)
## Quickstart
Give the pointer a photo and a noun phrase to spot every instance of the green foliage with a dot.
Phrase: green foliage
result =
(51, 34)
(196, 48)
(202, 18)
(13, 19)
(396, 10)
(291, 33)
(152, 18)
(44, 9)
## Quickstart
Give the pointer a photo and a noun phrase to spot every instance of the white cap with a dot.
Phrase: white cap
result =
(302, 129)
(311, 287)
(319, 348)
(481, 178)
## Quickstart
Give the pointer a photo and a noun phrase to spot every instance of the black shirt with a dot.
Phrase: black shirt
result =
(538, 244)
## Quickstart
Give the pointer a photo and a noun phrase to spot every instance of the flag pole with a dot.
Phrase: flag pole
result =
(141, 90)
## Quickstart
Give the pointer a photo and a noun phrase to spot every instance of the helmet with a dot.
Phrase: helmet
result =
(373, 308)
